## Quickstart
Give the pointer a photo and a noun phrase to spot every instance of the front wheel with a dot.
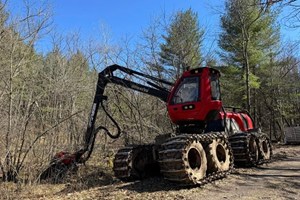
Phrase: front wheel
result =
(195, 161)
(218, 156)
(183, 160)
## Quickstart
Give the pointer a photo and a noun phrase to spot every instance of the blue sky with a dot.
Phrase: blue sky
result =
(127, 18)
(130, 17)
(124, 17)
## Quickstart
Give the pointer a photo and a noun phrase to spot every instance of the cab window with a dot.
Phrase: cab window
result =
(187, 91)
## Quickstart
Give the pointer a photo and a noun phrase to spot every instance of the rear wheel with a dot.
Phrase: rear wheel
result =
(265, 148)
(245, 148)
(253, 149)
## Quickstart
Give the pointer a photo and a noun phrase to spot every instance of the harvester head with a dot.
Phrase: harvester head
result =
(62, 163)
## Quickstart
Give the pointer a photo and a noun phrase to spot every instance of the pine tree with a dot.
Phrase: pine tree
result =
(248, 35)
(182, 43)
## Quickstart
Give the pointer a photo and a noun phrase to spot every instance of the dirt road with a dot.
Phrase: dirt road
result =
(279, 179)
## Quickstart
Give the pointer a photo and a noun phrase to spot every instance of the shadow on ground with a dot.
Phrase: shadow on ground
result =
(154, 184)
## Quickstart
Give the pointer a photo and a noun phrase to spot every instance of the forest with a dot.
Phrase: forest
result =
(46, 97)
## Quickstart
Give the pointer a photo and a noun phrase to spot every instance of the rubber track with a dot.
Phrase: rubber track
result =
(123, 163)
(240, 149)
(171, 155)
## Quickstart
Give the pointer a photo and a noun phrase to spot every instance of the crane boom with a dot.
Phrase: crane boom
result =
(107, 76)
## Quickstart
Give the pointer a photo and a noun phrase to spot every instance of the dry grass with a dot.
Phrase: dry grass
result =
(86, 178)
(95, 181)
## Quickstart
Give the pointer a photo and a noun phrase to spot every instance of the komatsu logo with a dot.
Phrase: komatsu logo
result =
(136, 87)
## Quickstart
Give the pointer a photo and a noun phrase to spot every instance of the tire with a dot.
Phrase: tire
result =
(195, 161)
(218, 156)
(265, 148)
(253, 150)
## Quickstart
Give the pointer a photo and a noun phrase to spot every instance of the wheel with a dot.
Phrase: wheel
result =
(253, 150)
(218, 156)
(265, 148)
(183, 159)
(195, 161)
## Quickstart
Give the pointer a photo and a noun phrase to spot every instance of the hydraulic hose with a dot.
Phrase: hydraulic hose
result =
(115, 123)
(90, 146)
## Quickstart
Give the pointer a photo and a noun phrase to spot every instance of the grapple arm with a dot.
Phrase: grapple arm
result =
(106, 76)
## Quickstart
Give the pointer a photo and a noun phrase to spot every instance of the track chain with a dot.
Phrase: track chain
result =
(122, 165)
(239, 143)
(135, 162)
(171, 158)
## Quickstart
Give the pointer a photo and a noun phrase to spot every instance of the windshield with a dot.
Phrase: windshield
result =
(187, 91)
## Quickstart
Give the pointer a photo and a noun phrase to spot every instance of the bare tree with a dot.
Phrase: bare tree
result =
(18, 38)
(292, 7)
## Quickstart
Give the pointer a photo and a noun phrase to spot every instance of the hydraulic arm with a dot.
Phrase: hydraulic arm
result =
(108, 76)
(154, 87)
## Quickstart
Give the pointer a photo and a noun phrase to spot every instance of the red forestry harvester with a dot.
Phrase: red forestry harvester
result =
(208, 141)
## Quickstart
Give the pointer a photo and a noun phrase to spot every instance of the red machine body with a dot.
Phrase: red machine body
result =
(195, 100)
(64, 157)
(242, 119)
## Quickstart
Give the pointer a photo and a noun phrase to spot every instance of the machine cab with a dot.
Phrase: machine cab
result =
(195, 98)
